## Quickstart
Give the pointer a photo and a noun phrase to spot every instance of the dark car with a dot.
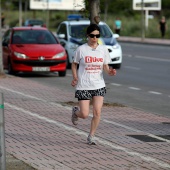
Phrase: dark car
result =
(34, 22)
(33, 49)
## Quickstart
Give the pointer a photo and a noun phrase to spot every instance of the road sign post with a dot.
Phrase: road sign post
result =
(2, 135)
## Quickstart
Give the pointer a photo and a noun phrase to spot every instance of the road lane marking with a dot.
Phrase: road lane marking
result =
(133, 68)
(128, 55)
(115, 84)
(134, 88)
(99, 140)
(154, 92)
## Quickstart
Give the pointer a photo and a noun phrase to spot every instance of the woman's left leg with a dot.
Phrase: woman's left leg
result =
(97, 107)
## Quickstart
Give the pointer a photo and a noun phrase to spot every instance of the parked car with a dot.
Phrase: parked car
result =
(34, 22)
(72, 33)
(33, 49)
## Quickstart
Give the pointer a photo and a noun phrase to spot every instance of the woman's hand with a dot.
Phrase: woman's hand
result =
(109, 70)
(74, 73)
(74, 82)
(112, 72)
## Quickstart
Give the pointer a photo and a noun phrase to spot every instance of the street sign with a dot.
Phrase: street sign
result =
(57, 4)
(150, 5)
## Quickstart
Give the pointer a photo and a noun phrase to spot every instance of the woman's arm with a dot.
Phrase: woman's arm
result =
(109, 70)
(74, 73)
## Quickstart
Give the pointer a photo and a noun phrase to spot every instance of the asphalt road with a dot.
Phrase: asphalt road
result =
(142, 82)
(144, 79)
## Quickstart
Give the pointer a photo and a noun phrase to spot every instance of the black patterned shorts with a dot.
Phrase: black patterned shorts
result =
(89, 94)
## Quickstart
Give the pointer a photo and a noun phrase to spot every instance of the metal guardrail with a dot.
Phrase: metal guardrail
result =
(2, 135)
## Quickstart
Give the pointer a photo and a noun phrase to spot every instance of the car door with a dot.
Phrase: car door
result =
(62, 35)
(62, 30)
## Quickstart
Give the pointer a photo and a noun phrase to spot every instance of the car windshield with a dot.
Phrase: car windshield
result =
(33, 37)
(79, 31)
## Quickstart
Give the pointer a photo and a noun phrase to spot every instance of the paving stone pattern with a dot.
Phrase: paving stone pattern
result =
(39, 132)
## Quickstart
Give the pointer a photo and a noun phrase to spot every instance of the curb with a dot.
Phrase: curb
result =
(164, 42)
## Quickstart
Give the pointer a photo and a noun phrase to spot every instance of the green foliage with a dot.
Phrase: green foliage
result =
(132, 26)
(117, 6)
(55, 19)
(165, 4)
(13, 23)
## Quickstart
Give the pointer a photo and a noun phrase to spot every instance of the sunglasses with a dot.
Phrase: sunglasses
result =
(93, 35)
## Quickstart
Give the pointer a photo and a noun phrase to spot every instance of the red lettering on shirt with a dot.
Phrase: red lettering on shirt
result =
(89, 59)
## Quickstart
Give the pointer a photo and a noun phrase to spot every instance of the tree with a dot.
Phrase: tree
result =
(94, 10)
(107, 2)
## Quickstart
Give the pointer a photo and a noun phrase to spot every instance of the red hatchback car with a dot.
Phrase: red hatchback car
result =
(33, 49)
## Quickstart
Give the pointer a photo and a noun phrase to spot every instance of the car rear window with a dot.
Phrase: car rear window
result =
(35, 22)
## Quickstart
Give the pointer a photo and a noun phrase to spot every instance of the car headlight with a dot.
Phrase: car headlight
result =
(116, 46)
(20, 55)
(59, 55)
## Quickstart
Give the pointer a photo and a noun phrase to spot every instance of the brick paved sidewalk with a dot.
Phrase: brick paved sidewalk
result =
(40, 133)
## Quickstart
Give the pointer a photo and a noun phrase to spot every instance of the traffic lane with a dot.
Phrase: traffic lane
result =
(133, 96)
(153, 51)
(142, 84)
(149, 101)
(143, 73)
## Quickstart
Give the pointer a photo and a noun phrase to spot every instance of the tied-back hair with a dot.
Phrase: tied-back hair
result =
(91, 28)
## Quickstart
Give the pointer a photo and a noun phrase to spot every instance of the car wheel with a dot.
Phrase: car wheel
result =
(10, 68)
(62, 73)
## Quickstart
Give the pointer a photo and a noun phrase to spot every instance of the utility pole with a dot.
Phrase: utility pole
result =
(20, 12)
(47, 18)
(1, 62)
(142, 20)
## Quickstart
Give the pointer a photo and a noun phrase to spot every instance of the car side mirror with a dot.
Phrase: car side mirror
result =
(116, 36)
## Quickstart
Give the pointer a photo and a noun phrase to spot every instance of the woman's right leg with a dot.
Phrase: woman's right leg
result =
(83, 112)
(84, 109)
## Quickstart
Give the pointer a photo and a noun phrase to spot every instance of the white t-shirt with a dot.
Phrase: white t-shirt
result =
(90, 72)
